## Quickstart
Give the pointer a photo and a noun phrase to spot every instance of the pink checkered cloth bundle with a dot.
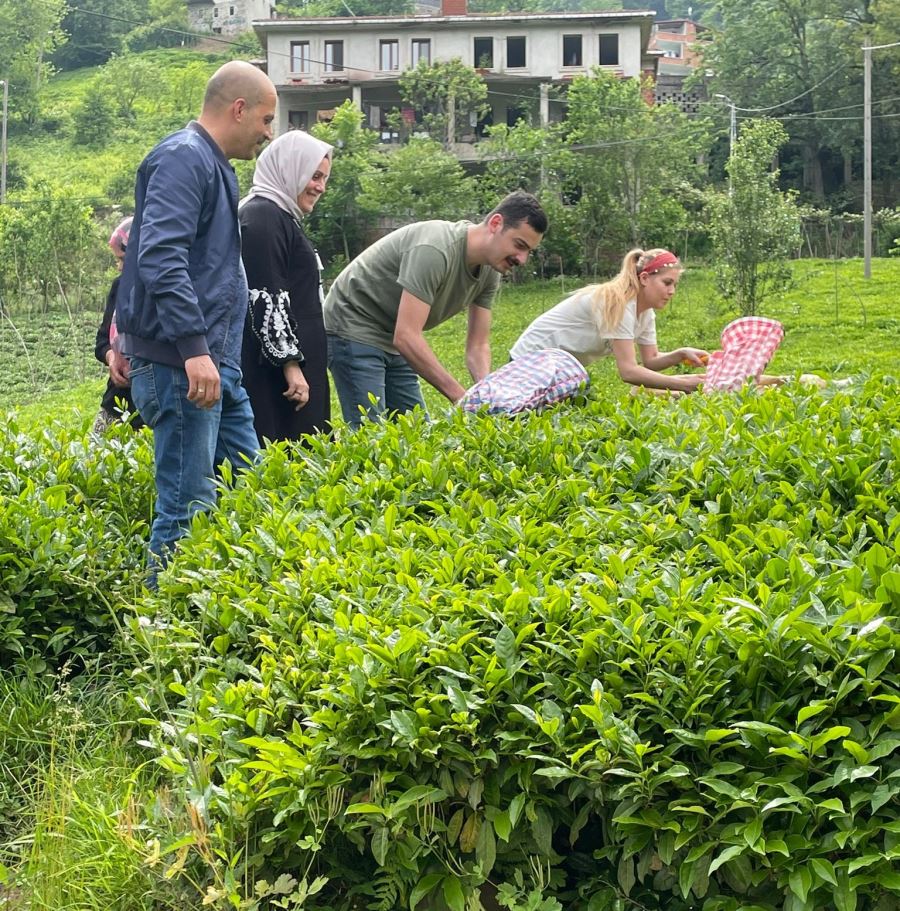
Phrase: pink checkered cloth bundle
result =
(532, 381)
(748, 344)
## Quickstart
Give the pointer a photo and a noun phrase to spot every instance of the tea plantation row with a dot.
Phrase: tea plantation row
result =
(632, 654)
(620, 655)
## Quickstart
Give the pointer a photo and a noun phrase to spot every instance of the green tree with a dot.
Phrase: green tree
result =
(187, 85)
(29, 33)
(339, 224)
(445, 95)
(419, 181)
(166, 26)
(47, 243)
(94, 116)
(130, 79)
(95, 29)
(754, 227)
(630, 166)
(805, 67)
(526, 157)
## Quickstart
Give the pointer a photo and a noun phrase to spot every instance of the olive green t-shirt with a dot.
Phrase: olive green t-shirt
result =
(427, 259)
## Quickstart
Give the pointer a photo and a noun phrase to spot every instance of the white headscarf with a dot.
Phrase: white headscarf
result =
(285, 167)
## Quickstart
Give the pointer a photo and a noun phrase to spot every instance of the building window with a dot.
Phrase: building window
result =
(609, 50)
(334, 56)
(300, 57)
(298, 120)
(230, 10)
(389, 54)
(215, 12)
(421, 50)
(515, 53)
(484, 53)
(571, 50)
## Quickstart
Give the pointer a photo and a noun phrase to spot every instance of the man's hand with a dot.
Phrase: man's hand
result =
(204, 385)
(297, 387)
(119, 368)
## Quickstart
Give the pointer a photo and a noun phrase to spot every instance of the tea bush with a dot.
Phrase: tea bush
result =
(74, 514)
(639, 654)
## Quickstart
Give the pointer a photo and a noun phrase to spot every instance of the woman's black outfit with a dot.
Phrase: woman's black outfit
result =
(108, 403)
(284, 322)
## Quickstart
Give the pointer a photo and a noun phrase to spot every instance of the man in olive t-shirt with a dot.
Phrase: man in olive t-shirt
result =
(409, 281)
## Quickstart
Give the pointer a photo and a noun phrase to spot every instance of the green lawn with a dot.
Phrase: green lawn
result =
(836, 323)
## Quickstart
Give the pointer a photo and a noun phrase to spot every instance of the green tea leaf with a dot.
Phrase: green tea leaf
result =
(453, 893)
(424, 887)
(730, 852)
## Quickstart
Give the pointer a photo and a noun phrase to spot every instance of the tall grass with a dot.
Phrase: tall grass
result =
(75, 797)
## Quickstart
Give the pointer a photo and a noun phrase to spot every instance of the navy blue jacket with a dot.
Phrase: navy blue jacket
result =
(184, 291)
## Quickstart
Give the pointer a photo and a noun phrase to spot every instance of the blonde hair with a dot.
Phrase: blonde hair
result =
(609, 299)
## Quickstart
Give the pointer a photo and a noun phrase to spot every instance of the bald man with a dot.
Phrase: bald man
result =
(183, 296)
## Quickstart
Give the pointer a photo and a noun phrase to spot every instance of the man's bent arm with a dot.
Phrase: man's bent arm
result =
(478, 342)
(409, 340)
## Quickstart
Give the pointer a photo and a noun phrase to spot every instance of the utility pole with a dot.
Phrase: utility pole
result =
(867, 162)
(5, 83)
(867, 154)
(732, 130)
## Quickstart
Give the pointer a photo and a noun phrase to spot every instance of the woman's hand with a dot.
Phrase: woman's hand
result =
(297, 388)
(690, 382)
(693, 357)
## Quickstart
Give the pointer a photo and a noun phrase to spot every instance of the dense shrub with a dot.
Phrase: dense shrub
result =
(639, 654)
(74, 514)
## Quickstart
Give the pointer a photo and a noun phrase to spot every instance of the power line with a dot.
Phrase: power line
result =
(803, 94)
(881, 47)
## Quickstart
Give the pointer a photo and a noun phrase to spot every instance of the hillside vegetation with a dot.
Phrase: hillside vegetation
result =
(134, 105)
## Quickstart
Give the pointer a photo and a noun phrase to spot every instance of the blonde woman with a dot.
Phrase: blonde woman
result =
(612, 317)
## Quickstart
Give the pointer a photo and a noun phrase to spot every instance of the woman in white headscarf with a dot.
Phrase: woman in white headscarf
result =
(284, 349)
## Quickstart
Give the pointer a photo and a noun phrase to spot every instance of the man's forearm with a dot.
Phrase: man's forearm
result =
(423, 360)
(478, 360)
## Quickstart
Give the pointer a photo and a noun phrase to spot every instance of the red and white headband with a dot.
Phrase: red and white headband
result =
(660, 261)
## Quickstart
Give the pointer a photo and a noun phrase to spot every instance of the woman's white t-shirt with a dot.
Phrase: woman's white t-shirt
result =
(572, 326)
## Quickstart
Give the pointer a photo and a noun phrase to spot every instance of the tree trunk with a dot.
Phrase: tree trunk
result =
(812, 173)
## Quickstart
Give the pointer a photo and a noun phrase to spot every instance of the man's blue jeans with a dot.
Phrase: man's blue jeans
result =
(360, 370)
(188, 442)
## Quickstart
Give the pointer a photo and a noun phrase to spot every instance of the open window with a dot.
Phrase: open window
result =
(483, 53)
(334, 56)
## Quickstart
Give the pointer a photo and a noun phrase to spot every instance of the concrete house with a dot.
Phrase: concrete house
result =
(227, 17)
(676, 41)
(316, 64)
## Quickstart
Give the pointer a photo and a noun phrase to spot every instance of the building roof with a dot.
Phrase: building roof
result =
(283, 24)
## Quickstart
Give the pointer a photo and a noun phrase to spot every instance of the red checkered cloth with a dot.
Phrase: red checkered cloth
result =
(533, 381)
(748, 344)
